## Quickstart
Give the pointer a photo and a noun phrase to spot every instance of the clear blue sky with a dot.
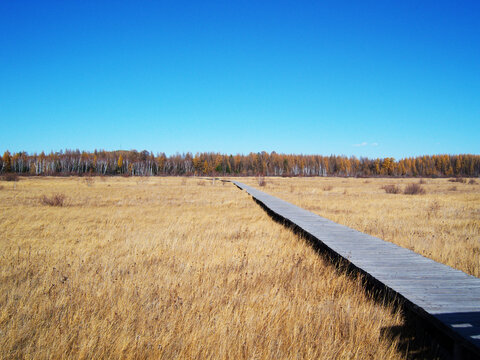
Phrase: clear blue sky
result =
(365, 78)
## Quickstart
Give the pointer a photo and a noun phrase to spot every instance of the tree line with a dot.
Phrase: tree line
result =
(145, 163)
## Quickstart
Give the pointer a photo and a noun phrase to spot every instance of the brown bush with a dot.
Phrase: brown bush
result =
(414, 189)
(10, 177)
(391, 189)
(261, 181)
(54, 200)
(472, 182)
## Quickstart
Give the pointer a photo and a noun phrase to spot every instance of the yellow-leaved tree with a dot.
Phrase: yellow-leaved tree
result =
(120, 163)
(7, 162)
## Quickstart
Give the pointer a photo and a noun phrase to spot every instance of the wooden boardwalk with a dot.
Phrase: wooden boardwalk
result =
(447, 298)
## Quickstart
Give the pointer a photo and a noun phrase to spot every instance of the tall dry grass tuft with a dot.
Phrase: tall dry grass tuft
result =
(165, 270)
(433, 209)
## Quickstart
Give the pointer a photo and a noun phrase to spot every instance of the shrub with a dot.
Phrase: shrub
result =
(391, 189)
(414, 189)
(472, 182)
(54, 200)
(434, 208)
(10, 177)
(261, 181)
(459, 180)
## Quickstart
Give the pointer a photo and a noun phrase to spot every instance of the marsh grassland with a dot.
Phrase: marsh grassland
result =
(442, 224)
(175, 268)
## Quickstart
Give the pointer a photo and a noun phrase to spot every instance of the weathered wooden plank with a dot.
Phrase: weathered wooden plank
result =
(438, 292)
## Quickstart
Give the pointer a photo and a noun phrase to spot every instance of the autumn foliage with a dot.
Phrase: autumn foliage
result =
(145, 163)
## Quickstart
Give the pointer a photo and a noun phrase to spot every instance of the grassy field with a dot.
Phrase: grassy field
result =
(442, 224)
(176, 268)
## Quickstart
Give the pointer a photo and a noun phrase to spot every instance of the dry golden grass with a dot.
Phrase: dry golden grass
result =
(169, 268)
(443, 224)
